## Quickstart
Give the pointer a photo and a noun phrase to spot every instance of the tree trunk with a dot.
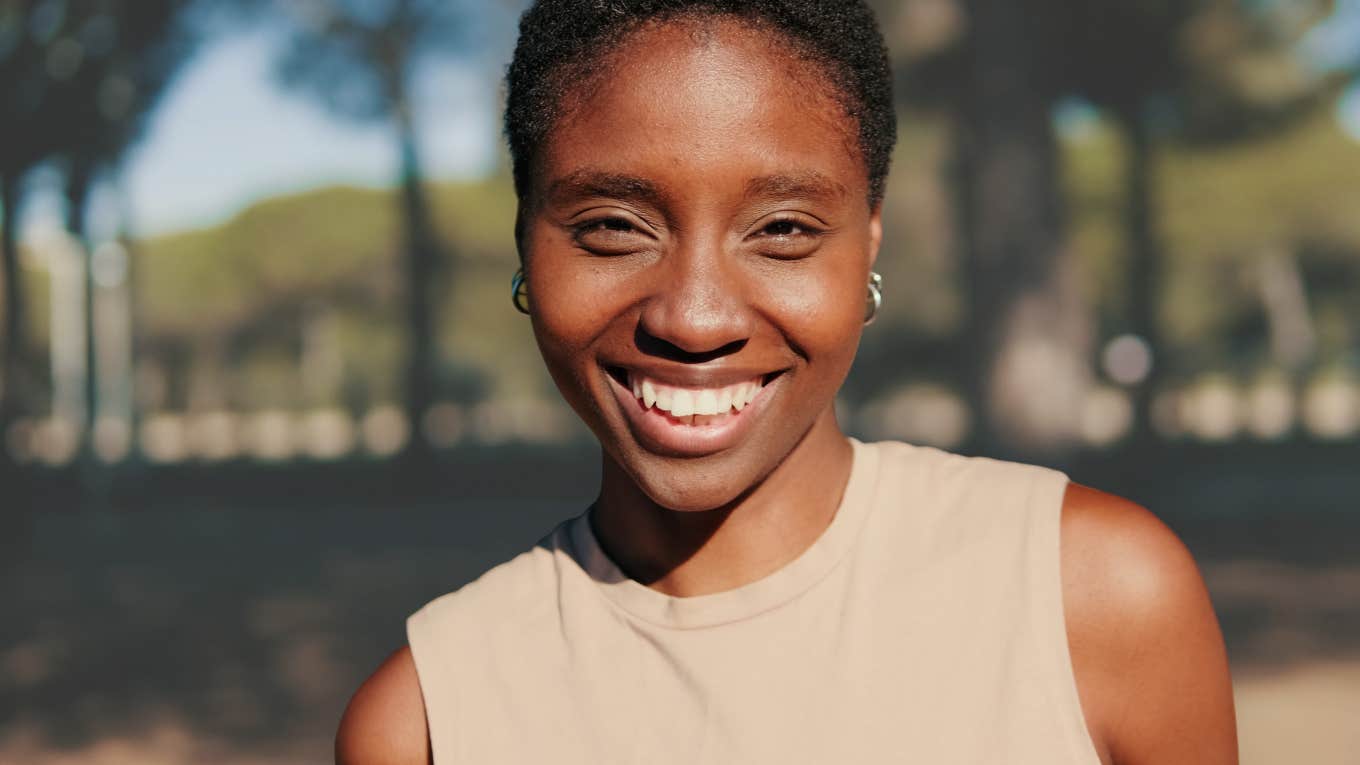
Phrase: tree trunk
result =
(78, 185)
(16, 514)
(15, 332)
(1028, 332)
(1143, 269)
(422, 261)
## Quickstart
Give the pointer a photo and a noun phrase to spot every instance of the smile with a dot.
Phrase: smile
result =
(697, 405)
(689, 419)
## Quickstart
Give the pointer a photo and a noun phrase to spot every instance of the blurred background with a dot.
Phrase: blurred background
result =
(263, 394)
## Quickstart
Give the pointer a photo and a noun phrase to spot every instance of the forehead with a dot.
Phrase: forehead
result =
(705, 100)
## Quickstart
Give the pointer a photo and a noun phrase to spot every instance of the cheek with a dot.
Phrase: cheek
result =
(572, 303)
(821, 311)
(562, 326)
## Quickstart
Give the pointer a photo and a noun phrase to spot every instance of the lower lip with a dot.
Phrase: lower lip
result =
(659, 433)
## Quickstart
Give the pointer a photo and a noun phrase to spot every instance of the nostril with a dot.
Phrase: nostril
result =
(654, 346)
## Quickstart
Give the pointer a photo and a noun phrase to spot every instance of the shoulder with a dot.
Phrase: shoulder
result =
(1146, 648)
(384, 723)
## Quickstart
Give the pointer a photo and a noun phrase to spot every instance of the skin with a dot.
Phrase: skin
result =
(705, 218)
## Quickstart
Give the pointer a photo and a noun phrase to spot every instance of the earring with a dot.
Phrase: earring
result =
(519, 292)
(875, 299)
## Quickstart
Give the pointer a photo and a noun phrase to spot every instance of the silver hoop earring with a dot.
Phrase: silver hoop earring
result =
(875, 299)
(519, 292)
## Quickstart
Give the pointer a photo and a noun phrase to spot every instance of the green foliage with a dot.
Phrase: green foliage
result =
(1222, 210)
(320, 244)
(246, 283)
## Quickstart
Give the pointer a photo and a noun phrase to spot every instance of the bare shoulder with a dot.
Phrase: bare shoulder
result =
(385, 721)
(1146, 648)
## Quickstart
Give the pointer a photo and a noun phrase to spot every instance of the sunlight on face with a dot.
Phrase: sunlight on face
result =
(697, 250)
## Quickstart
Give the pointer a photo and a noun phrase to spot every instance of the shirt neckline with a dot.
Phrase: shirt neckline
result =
(748, 600)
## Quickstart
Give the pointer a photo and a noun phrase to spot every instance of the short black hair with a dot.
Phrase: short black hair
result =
(565, 41)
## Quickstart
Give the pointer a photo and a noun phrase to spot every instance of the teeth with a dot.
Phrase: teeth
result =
(725, 397)
(706, 403)
(694, 406)
(682, 403)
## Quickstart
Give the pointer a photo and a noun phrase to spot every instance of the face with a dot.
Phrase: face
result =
(697, 246)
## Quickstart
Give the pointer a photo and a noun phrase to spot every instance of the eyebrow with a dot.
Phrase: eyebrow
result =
(595, 183)
(811, 185)
(588, 183)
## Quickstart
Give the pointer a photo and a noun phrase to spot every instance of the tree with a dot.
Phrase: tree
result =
(1027, 331)
(1209, 72)
(23, 86)
(102, 109)
(359, 59)
(1130, 56)
(1158, 68)
(79, 80)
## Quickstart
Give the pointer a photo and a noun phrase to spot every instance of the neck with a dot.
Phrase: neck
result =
(685, 554)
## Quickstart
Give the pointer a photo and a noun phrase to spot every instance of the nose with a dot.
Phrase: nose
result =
(697, 310)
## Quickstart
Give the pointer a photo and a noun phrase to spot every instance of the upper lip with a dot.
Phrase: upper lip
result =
(708, 375)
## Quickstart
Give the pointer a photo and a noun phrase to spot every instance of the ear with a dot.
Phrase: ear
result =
(875, 232)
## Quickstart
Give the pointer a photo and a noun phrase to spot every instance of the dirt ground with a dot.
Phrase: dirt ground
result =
(204, 636)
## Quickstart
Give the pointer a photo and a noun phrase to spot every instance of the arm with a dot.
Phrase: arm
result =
(385, 721)
(1146, 648)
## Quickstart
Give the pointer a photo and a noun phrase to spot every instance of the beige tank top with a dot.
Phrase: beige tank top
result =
(925, 625)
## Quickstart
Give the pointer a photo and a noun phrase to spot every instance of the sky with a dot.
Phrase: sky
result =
(226, 135)
(1333, 46)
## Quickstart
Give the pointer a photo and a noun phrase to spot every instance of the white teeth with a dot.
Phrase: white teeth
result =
(725, 400)
(742, 394)
(694, 405)
(682, 403)
(706, 403)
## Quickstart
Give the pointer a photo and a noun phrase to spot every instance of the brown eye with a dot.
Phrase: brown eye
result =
(608, 236)
(787, 239)
(782, 228)
(611, 224)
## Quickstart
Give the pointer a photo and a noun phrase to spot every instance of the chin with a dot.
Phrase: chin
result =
(709, 482)
(693, 488)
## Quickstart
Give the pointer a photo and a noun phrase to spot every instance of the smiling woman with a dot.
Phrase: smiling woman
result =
(700, 190)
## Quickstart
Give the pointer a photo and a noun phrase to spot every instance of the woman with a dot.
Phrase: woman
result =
(700, 189)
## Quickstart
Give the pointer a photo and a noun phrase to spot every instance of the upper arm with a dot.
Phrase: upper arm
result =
(385, 721)
(1146, 648)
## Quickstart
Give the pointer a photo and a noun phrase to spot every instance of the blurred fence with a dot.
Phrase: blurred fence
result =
(1215, 410)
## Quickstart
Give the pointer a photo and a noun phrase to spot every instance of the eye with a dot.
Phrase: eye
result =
(787, 238)
(608, 224)
(782, 228)
(611, 235)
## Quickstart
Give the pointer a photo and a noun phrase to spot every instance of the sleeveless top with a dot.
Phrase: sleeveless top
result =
(925, 625)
